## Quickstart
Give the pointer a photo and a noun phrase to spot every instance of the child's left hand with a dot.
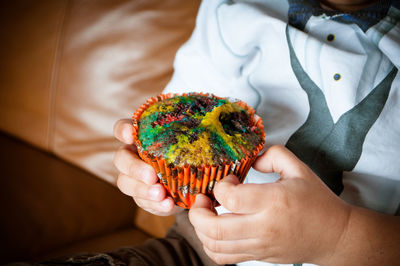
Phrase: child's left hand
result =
(297, 219)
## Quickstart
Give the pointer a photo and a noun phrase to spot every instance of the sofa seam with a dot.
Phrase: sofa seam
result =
(53, 80)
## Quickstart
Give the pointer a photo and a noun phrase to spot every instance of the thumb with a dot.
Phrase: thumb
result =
(201, 210)
(278, 159)
(242, 198)
(123, 131)
(202, 201)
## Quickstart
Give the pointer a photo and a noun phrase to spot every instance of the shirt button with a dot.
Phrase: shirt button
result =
(337, 76)
(330, 37)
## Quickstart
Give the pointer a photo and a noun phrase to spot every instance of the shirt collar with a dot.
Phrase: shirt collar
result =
(300, 12)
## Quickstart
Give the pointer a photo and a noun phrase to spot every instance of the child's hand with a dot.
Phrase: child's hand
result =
(137, 178)
(297, 219)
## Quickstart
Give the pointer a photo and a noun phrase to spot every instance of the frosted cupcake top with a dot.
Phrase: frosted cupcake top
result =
(198, 130)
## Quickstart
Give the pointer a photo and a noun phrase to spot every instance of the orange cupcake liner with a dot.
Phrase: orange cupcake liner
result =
(184, 183)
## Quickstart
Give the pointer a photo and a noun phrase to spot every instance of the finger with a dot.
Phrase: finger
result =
(249, 246)
(128, 162)
(150, 198)
(221, 258)
(279, 159)
(222, 227)
(242, 198)
(123, 131)
(160, 208)
(137, 189)
(202, 201)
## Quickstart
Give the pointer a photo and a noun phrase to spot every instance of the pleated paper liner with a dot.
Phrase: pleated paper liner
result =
(183, 183)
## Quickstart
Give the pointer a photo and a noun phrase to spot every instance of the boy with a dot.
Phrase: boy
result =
(324, 78)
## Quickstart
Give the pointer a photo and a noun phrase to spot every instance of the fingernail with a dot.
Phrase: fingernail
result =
(165, 203)
(154, 192)
(230, 179)
(146, 175)
(126, 136)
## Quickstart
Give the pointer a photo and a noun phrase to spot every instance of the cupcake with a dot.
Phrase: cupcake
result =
(193, 140)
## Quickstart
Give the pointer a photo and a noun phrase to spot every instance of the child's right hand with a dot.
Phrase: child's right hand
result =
(137, 178)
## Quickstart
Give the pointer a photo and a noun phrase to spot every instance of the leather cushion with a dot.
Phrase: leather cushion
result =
(48, 204)
(72, 68)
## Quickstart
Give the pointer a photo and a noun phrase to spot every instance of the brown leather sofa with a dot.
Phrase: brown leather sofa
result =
(69, 69)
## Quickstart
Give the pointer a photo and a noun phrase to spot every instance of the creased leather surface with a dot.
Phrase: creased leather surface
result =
(70, 69)
(29, 37)
(115, 55)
